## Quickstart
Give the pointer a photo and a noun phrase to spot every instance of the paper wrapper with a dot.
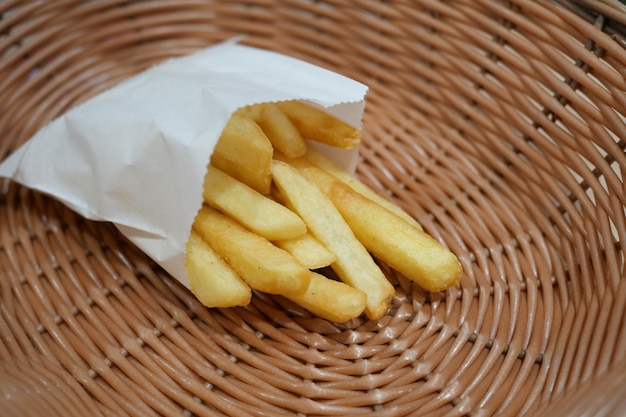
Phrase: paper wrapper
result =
(136, 155)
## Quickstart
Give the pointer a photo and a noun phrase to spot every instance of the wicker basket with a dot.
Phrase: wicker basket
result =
(499, 125)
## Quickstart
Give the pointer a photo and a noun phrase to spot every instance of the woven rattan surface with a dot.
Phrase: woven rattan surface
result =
(498, 125)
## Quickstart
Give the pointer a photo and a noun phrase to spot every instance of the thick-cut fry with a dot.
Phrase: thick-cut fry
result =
(387, 236)
(249, 177)
(244, 152)
(414, 253)
(318, 125)
(329, 166)
(211, 279)
(262, 265)
(330, 299)
(308, 251)
(354, 265)
(281, 131)
(257, 212)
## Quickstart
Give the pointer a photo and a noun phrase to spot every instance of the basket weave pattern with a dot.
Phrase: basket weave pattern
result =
(498, 125)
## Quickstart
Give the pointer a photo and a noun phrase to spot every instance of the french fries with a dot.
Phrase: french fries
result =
(354, 265)
(279, 129)
(318, 125)
(211, 279)
(260, 264)
(387, 235)
(255, 211)
(412, 252)
(277, 213)
(244, 152)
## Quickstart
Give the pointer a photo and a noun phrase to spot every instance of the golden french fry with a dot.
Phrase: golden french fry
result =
(258, 262)
(211, 279)
(308, 251)
(329, 166)
(252, 209)
(354, 265)
(387, 236)
(249, 177)
(321, 126)
(244, 152)
(330, 299)
(281, 131)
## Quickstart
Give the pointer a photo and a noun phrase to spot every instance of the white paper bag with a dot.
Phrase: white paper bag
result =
(136, 154)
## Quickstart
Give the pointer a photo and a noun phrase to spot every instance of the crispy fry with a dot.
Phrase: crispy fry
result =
(244, 152)
(308, 251)
(262, 265)
(354, 265)
(387, 236)
(211, 279)
(407, 249)
(281, 131)
(257, 212)
(318, 125)
(330, 299)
